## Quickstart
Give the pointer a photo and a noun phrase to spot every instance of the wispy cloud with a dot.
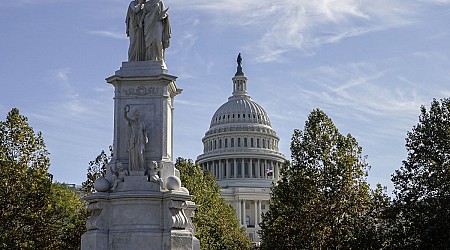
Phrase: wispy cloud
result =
(108, 34)
(60, 77)
(363, 87)
(304, 25)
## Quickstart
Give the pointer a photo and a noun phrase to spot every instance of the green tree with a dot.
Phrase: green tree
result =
(323, 200)
(25, 185)
(96, 169)
(215, 221)
(35, 214)
(422, 185)
(68, 217)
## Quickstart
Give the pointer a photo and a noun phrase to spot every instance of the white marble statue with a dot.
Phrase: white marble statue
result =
(119, 174)
(137, 141)
(148, 27)
(153, 169)
(135, 31)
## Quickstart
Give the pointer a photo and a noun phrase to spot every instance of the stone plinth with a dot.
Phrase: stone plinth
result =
(145, 86)
(140, 220)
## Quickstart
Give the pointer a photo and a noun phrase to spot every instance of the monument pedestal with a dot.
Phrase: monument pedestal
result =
(141, 204)
(140, 220)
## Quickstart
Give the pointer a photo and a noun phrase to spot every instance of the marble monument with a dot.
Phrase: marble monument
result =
(141, 203)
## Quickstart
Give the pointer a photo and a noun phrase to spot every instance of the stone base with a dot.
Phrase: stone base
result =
(142, 68)
(95, 239)
(183, 239)
(140, 220)
(133, 183)
(121, 240)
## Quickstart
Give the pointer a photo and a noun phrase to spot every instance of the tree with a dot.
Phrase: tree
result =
(68, 217)
(421, 210)
(215, 221)
(96, 169)
(25, 185)
(323, 200)
(35, 214)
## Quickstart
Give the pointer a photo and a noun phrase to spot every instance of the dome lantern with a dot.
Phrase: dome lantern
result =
(239, 80)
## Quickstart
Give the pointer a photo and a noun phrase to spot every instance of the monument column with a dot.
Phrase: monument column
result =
(239, 211)
(258, 169)
(235, 168)
(259, 211)
(255, 202)
(243, 213)
(250, 171)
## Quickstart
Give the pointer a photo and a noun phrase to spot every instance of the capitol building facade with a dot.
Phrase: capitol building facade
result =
(241, 150)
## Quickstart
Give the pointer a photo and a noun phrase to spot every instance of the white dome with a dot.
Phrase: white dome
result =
(240, 127)
(240, 109)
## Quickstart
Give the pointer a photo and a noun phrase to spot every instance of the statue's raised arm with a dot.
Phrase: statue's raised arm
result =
(126, 111)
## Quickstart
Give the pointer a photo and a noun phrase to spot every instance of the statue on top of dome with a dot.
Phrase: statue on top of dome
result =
(239, 71)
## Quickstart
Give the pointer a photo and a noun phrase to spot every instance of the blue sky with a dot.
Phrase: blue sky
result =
(368, 64)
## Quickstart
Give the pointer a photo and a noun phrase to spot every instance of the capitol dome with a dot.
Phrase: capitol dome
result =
(240, 149)
(241, 109)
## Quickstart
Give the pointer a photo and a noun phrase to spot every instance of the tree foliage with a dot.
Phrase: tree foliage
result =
(421, 208)
(323, 200)
(35, 214)
(68, 217)
(25, 185)
(215, 221)
(96, 169)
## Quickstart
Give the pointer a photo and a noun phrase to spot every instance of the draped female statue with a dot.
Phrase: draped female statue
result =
(151, 34)
(137, 141)
(135, 31)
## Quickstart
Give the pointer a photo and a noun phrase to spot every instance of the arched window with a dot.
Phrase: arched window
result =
(232, 142)
(226, 142)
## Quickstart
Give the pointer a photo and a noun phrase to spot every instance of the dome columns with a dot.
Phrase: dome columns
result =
(245, 168)
(239, 86)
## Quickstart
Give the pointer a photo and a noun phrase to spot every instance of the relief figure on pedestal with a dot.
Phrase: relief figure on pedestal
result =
(138, 139)
(153, 169)
(119, 174)
(148, 27)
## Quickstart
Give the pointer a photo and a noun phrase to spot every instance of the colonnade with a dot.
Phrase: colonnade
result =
(249, 212)
(243, 168)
